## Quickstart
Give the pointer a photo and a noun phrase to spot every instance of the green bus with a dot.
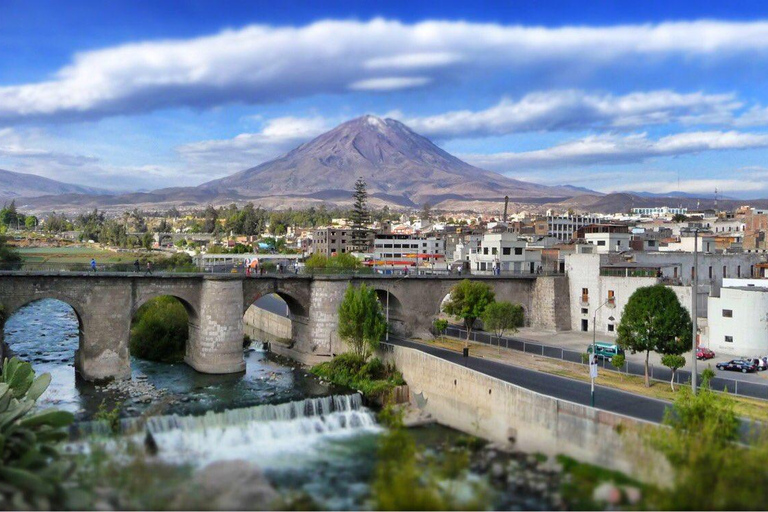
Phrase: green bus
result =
(606, 350)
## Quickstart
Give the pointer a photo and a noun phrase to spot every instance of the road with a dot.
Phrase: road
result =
(608, 399)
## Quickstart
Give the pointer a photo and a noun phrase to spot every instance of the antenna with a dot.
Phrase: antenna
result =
(715, 199)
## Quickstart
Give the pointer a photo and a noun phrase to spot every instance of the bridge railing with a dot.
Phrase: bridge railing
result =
(657, 373)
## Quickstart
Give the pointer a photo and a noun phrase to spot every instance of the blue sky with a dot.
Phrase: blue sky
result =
(654, 96)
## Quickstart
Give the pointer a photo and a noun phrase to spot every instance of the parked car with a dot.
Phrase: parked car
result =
(606, 350)
(738, 365)
(759, 362)
(704, 353)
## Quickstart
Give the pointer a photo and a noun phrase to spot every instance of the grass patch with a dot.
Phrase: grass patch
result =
(372, 378)
(582, 480)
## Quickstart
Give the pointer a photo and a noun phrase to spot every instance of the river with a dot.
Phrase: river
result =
(308, 436)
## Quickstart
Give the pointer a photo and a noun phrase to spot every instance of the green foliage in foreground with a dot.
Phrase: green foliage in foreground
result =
(32, 473)
(407, 479)
(160, 331)
(582, 480)
(372, 378)
(8, 254)
(712, 471)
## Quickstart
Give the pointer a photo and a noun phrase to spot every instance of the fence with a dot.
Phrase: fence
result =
(658, 373)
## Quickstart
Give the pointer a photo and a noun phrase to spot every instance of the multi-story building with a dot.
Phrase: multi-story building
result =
(397, 250)
(564, 226)
(659, 211)
(331, 240)
(736, 321)
(503, 252)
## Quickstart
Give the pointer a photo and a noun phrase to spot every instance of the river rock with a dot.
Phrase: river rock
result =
(608, 493)
(229, 485)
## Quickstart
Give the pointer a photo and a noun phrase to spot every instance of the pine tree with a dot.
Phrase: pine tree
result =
(360, 218)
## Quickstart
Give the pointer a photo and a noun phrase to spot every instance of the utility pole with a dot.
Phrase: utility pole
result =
(695, 307)
(593, 375)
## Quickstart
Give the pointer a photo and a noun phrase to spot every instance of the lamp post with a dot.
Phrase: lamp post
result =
(594, 349)
(695, 308)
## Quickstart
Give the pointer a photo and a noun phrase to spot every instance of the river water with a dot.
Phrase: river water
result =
(308, 437)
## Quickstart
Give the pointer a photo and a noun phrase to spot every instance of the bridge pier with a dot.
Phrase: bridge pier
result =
(216, 336)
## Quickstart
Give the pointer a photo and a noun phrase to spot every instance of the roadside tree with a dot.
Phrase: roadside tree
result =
(440, 325)
(654, 320)
(361, 321)
(502, 317)
(468, 301)
(674, 362)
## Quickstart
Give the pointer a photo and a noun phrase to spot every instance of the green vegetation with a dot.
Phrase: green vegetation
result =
(674, 362)
(712, 471)
(502, 317)
(340, 262)
(439, 326)
(110, 417)
(577, 490)
(361, 321)
(468, 302)
(33, 474)
(618, 361)
(360, 218)
(160, 331)
(408, 479)
(653, 319)
(372, 378)
(8, 255)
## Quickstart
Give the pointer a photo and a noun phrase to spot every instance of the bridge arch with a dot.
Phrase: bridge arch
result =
(398, 323)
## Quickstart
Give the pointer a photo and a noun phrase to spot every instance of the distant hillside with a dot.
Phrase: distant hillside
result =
(15, 185)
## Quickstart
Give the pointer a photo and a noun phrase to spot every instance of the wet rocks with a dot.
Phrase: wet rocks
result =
(229, 485)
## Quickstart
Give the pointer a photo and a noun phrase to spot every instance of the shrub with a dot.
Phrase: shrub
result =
(372, 378)
(111, 417)
(160, 331)
(618, 361)
(32, 472)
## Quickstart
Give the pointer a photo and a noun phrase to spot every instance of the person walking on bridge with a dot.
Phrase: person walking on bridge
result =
(149, 268)
(136, 266)
(93, 264)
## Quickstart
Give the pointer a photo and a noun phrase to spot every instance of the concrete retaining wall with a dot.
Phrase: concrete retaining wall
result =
(481, 405)
(271, 323)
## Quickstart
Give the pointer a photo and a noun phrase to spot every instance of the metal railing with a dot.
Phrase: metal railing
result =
(657, 373)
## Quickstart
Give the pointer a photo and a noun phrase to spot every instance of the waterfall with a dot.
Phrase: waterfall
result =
(264, 432)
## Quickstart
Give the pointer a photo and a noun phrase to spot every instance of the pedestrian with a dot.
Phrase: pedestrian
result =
(136, 266)
(93, 264)
(149, 268)
(247, 271)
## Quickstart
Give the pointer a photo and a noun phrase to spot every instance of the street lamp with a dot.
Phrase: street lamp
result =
(594, 348)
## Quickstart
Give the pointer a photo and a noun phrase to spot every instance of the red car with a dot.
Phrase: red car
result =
(704, 353)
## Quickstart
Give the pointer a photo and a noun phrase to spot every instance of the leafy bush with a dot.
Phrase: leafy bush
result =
(618, 361)
(439, 326)
(361, 321)
(372, 378)
(111, 417)
(160, 331)
(32, 472)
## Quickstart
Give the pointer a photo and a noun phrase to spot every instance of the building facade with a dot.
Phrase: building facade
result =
(503, 252)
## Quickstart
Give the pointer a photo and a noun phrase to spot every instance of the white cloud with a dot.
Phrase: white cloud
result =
(613, 149)
(391, 83)
(261, 63)
(27, 149)
(249, 149)
(578, 110)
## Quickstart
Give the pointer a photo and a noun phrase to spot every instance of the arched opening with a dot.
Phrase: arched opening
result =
(393, 311)
(47, 334)
(161, 329)
(270, 318)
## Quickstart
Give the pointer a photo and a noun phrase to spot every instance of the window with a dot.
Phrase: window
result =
(485, 250)
(728, 313)
(725, 272)
(518, 251)
(601, 242)
(738, 271)
(651, 243)
(729, 339)
(693, 272)
(506, 251)
(611, 297)
(710, 272)
(675, 273)
(584, 311)
(618, 243)
(398, 246)
(610, 327)
(494, 251)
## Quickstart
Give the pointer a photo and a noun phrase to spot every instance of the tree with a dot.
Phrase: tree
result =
(653, 319)
(361, 321)
(8, 254)
(468, 301)
(146, 241)
(617, 362)
(679, 217)
(674, 362)
(440, 325)
(500, 317)
(30, 222)
(359, 218)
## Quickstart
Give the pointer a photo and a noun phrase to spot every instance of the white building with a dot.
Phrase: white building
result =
(609, 242)
(738, 318)
(564, 226)
(504, 252)
(659, 211)
(398, 250)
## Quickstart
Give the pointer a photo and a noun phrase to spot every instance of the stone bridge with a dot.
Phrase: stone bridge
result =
(105, 304)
